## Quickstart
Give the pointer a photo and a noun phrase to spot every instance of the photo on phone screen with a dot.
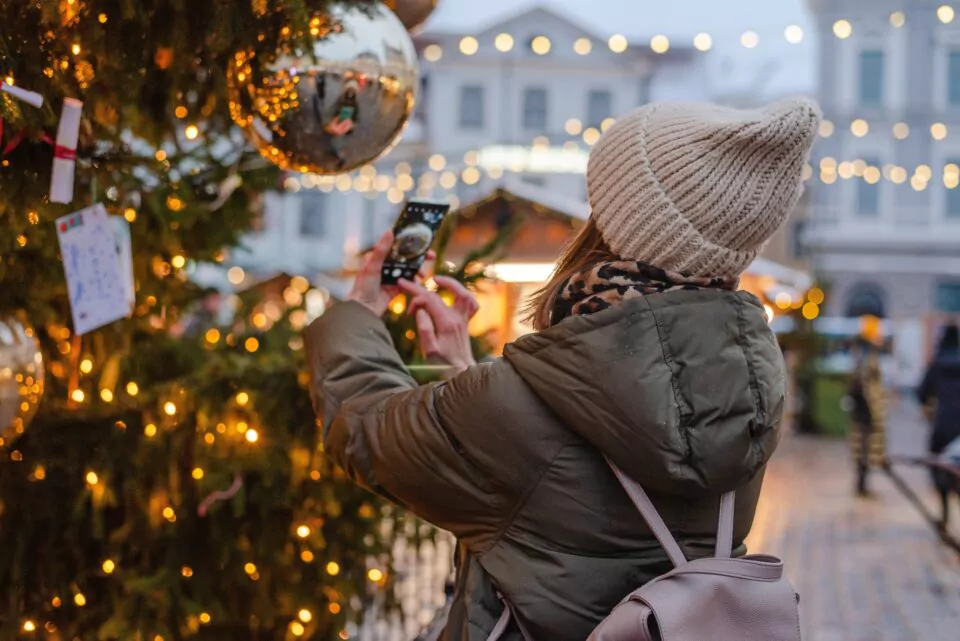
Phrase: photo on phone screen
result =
(413, 234)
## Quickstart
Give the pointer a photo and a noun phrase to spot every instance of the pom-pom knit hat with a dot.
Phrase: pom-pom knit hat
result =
(699, 188)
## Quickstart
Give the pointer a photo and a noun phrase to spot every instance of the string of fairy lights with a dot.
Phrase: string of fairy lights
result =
(659, 44)
(446, 175)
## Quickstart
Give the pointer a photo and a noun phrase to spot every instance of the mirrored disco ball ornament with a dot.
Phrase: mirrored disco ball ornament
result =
(412, 13)
(339, 105)
(21, 376)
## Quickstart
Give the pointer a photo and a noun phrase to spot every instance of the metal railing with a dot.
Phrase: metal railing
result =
(423, 571)
(929, 462)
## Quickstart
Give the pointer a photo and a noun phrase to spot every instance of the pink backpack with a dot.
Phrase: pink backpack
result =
(713, 599)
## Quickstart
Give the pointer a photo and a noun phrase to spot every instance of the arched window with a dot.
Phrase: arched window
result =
(866, 299)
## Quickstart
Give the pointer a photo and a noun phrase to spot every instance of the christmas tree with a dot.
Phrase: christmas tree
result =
(172, 484)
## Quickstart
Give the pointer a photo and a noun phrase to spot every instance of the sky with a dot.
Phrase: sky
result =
(789, 68)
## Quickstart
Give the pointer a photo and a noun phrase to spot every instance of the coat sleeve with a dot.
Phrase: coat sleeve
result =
(395, 437)
(928, 387)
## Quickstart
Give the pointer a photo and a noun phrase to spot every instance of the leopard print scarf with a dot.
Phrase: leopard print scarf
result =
(607, 284)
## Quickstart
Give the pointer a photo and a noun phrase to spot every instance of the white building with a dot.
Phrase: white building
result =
(884, 227)
(527, 95)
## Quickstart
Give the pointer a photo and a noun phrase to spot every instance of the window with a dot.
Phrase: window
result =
(313, 213)
(471, 107)
(369, 236)
(871, 78)
(422, 99)
(866, 299)
(953, 79)
(951, 181)
(868, 195)
(535, 109)
(948, 298)
(797, 249)
(259, 223)
(599, 107)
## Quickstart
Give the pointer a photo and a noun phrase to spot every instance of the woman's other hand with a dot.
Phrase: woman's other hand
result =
(443, 330)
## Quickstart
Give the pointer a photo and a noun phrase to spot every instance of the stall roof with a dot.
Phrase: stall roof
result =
(511, 190)
(512, 187)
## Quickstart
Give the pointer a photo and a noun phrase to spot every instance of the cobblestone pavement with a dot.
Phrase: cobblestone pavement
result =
(866, 569)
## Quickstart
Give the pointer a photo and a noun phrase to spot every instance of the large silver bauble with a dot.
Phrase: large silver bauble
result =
(21, 376)
(336, 107)
(412, 13)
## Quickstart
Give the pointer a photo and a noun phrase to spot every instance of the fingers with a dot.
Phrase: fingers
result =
(412, 288)
(452, 285)
(374, 260)
(426, 270)
(464, 300)
(429, 344)
(422, 298)
(465, 303)
(443, 317)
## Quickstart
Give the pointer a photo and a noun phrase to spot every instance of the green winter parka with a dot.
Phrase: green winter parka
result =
(684, 391)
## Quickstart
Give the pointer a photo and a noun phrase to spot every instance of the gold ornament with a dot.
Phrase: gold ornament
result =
(21, 376)
(412, 13)
(335, 108)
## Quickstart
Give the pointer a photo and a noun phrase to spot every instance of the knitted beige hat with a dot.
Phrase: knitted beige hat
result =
(699, 188)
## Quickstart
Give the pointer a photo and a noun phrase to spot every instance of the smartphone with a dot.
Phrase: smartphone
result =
(412, 236)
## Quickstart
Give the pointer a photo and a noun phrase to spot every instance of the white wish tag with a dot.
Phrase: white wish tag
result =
(121, 229)
(95, 281)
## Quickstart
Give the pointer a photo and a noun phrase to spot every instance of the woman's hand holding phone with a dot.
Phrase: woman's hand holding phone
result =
(368, 290)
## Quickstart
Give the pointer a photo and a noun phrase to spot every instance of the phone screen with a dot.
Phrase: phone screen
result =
(413, 234)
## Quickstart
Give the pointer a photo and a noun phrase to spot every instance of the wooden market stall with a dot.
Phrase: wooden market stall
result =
(546, 223)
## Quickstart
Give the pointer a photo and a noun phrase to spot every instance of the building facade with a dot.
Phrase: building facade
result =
(884, 218)
(526, 96)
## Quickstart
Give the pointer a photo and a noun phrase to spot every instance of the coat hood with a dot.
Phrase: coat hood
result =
(683, 391)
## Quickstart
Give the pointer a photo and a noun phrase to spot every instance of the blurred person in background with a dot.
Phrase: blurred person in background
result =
(940, 392)
(645, 355)
(868, 404)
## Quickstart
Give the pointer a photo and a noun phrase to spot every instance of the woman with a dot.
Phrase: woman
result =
(941, 386)
(345, 111)
(644, 352)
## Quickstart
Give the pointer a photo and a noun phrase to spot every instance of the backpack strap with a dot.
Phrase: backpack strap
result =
(645, 506)
(725, 529)
(660, 530)
(504, 622)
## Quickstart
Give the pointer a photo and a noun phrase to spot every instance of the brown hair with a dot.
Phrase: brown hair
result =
(586, 249)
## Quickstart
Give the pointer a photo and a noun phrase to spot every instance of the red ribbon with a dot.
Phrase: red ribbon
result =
(13, 142)
(63, 153)
(58, 151)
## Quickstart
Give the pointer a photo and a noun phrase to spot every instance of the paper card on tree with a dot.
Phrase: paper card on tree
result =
(95, 281)
(121, 230)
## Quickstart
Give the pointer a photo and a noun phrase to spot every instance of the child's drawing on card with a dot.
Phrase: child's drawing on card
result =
(96, 283)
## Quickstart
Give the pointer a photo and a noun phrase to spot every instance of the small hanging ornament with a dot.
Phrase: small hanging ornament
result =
(259, 7)
(412, 13)
(340, 104)
(65, 152)
(21, 376)
(30, 97)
